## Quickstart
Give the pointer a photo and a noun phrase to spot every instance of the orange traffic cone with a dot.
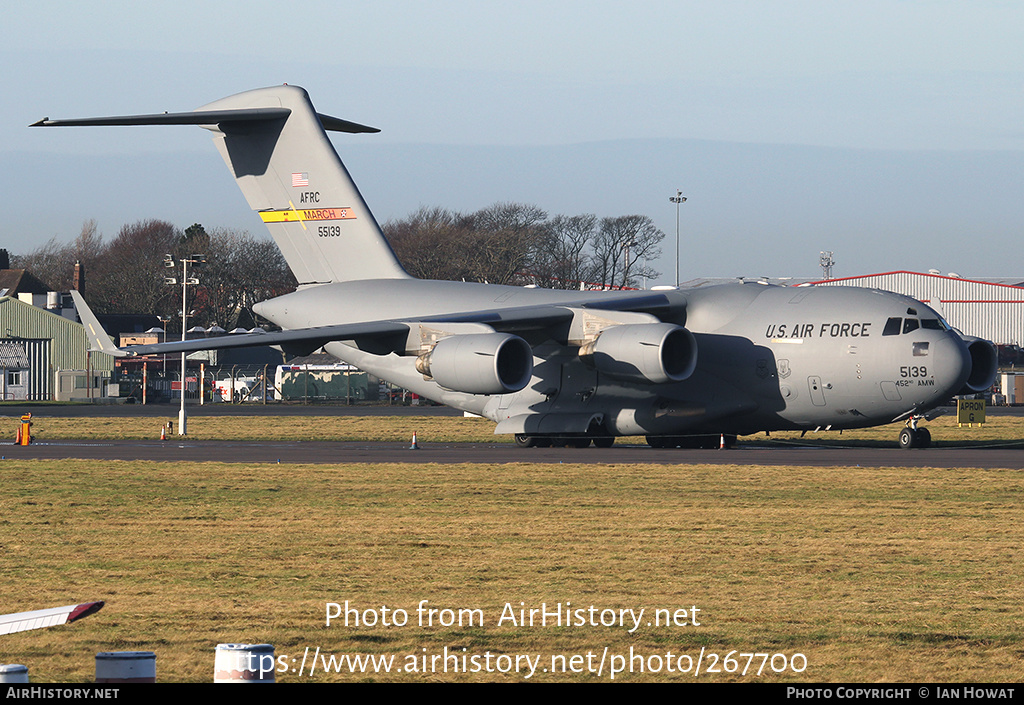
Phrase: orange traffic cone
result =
(721, 442)
(163, 433)
(415, 445)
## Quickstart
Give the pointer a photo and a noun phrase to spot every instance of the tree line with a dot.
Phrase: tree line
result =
(516, 243)
(505, 243)
(126, 274)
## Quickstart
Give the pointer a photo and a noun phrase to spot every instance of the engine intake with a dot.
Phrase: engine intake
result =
(485, 363)
(649, 352)
(984, 365)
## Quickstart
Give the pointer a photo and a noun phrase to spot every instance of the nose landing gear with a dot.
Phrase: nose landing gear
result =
(913, 437)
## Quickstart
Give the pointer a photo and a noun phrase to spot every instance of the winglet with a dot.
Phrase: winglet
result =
(84, 610)
(98, 340)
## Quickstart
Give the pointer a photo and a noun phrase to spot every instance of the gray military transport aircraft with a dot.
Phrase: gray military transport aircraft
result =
(682, 367)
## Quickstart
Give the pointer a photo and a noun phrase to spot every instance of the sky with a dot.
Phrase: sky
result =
(871, 77)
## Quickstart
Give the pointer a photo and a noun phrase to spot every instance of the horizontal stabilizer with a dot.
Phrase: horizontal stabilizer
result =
(205, 117)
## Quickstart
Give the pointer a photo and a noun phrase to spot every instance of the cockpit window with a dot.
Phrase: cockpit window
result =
(892, 326)
(895, 325)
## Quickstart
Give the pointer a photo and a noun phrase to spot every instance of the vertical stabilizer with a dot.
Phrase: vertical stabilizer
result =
(275, 144)
(290, 174)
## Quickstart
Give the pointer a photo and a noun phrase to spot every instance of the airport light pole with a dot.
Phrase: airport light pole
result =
(185, 281)
(678, 199)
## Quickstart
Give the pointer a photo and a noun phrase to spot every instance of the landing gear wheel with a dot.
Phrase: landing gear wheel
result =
(604, 441)
(924, 438)
(907, 437)
(915, 437)
(524, 441)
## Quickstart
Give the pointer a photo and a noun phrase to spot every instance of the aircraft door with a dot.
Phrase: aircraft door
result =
(816, 390)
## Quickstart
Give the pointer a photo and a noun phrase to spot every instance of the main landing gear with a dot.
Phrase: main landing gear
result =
(913, 437)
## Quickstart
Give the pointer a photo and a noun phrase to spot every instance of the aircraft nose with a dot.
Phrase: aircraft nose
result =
(952, 363)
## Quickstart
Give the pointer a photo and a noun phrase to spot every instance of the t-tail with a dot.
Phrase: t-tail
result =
(276, 146)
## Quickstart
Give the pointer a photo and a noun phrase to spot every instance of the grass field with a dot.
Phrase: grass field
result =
(871, 574)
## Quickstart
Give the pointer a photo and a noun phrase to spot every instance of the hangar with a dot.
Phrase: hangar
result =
(990, 308)
(44, 356)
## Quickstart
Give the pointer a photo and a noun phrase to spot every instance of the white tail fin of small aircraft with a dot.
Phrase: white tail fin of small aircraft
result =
(53, 617)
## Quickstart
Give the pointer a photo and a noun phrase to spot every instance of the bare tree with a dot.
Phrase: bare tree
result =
(507, 239)
(623, 246)
(563, 262)
(126, 275)
(432, 243)
(54, 262)
(130, 276)
(47, 263)
(240, 271)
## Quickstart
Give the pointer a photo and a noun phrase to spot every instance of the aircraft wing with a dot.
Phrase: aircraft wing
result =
(39, 619)
(539, 316)
(512, 319)
(311, 338)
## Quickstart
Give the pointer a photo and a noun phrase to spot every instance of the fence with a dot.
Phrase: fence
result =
(262, 384)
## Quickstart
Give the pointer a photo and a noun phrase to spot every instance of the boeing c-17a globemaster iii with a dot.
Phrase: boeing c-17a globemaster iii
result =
(566, 367)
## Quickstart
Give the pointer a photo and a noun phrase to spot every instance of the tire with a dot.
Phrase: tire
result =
(908, 439)
(524, 441)
(924, 438)
(604, 441)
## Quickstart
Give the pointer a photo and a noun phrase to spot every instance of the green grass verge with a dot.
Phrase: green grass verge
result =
(872, 574)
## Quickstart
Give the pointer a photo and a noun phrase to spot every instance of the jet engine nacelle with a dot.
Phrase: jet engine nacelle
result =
(484, 363)
(984, 365)
(646, 352)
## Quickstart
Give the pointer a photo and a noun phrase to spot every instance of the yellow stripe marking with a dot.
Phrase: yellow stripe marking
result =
(293, 215)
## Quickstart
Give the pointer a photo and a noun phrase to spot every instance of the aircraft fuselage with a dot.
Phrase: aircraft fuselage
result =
(768, 357)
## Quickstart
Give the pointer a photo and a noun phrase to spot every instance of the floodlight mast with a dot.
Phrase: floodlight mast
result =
(678, 199)
(195, 260)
